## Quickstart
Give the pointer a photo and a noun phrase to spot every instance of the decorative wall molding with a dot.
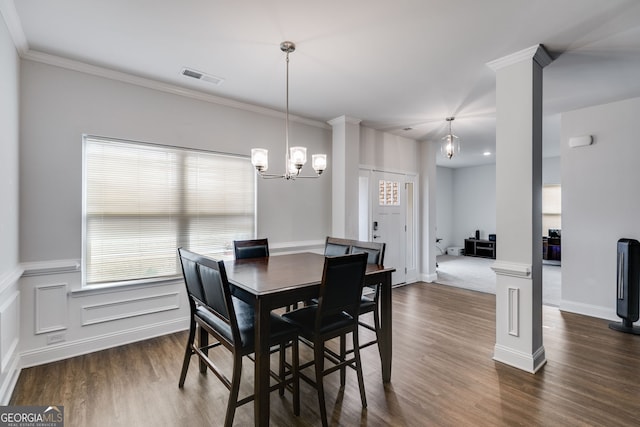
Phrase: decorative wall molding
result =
(78, 347)
(514, 311)
(9, 381)
(45, 268)
(132, 307)
(9, 329)
(9, 278)
(515, 269)
(51, 308)
(298, 246)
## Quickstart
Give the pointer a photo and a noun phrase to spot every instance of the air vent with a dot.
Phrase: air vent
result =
(202, 76)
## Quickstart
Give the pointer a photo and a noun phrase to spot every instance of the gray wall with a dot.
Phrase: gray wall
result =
(600, 202)
(10, 270)
(58, 105)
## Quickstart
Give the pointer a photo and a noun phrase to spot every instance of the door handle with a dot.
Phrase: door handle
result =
(375, 236)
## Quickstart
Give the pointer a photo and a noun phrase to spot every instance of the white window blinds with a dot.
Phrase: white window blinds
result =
(142, 201)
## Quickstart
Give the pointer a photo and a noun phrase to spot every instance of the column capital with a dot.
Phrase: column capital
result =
(536, 53)
(343, 120)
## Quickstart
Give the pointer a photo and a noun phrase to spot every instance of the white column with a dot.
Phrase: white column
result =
(518, 264)
(344, 176)
(428, 197)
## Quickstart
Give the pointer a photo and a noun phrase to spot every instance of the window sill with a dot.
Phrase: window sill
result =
(123, 286)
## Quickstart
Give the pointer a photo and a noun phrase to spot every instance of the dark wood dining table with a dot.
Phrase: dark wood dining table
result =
(277, 281)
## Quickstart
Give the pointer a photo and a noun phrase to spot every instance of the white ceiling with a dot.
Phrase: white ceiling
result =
(393, 64)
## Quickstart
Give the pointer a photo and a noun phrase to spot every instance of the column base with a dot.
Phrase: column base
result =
(527, 362)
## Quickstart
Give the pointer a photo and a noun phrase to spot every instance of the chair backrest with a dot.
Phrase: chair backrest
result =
(207, 283)
(374, 251)
(189, 262)
(256, 248)
(341, 287)
(335, 247)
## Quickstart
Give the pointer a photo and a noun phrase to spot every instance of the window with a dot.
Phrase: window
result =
(142, 201)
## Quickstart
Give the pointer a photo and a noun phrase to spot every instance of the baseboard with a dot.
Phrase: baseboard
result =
(527, 362)
(428, 277)
(89, 345)
(9, 381)
(589, 310)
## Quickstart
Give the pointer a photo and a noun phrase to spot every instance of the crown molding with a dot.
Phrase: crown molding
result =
(14, 26)
(343, 120)
(537, 53)
(108, 73)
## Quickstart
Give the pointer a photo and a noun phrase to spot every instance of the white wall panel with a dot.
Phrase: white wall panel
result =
(51, 307)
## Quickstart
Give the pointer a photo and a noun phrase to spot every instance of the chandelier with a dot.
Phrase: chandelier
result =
(450, 143)
(295, 157)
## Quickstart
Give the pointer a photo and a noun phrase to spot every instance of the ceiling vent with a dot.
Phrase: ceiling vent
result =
(202, 76)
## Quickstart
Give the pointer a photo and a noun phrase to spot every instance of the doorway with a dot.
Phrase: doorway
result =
(387, 213)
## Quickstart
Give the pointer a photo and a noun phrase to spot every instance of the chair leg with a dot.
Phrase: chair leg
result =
(282, 371)
(343, 353)
(318, 354)
(203, 342)
(234, 390)
(295, 364)
(356, 353)
(187, 354)
(376, 324)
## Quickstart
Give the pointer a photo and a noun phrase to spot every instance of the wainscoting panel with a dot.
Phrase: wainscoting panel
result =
(123, 309)
(51, 307)
(9, 329)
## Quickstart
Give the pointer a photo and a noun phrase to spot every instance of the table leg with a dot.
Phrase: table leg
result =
(385, 344)
(262, 365)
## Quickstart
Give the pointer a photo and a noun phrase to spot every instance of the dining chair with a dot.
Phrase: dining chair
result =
(230, 321)
(369, 302)
(255, 248)
(335, 315)
(334, 246)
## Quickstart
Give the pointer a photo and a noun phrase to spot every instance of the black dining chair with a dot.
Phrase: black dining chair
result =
(335, 315)
(255, 248)
(370, 301)
(230, 321)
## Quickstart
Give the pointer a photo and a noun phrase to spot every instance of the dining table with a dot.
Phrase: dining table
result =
(277, 281)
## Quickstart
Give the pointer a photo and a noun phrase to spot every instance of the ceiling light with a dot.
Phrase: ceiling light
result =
(450, 143)
(486, 153)
(295, 157)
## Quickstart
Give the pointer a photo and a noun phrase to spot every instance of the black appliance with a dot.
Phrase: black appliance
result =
(628, 286)
(492, 237)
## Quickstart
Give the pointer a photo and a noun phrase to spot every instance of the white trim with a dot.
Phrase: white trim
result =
(429, 277)
(514, 269)
(172, 303)
(344, 120)
(10, 351)
(78, 347)
(589, 310)
(45, 268)
(6, 388)
(536, 53)
(9, 278)
(39, 303)
(11, 18)
(527, 362)
(514, 311)
(293, 247)
(107, 73)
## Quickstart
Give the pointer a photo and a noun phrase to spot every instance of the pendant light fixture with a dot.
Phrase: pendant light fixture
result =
(295, 157)
(450, 143)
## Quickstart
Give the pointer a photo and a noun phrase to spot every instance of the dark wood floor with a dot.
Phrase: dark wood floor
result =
(443, 375)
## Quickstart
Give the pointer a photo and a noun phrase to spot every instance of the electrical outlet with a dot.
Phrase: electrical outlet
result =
(55, 338)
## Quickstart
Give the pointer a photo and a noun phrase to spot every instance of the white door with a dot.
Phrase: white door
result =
(388, 220)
